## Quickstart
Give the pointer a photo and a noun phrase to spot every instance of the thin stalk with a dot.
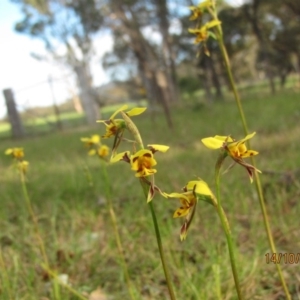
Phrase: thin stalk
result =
(66, 286)
(116, 230)
(5, 278)
(226, 227)
(257, 179)
(159, 244)
(40, 240)
(137, 137)
(34, 218)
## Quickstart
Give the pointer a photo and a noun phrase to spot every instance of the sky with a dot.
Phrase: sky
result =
(28, 77)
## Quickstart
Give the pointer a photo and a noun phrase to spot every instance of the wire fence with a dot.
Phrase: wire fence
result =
(44, 106)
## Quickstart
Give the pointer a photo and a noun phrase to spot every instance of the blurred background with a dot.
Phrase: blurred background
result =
(64, 61)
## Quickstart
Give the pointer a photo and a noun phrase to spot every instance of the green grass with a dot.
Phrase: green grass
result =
(76, 227)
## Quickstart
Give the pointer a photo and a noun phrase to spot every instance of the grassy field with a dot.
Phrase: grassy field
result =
(67, 190)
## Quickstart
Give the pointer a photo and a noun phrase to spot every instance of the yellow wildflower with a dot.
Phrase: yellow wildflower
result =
(17, 153)
(92, 143)
(95, 146)
(142, 161)
(114, 126)
(237, 150)
(103, 151)
(202, 33)
(93, 140)
(23, 166)
(197, 11)
(194, 190)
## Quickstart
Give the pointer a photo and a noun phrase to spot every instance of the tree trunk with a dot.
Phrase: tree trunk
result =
(17, 128)
(155, 78)
(263, 42)
(87, 96)
(168, 54)
(215, 78)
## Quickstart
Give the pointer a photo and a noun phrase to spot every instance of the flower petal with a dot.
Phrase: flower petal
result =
(84, 139)
(120, 156)
(95, 139)
(248, 137)
(212, 24)
(249, 153)
(201, 187)
(145, 172)
(181, 212)
(177, 196)
(117, 111)
(8, 151)
(136, 111)
(212, 143)
(140, 153)
(92, 152)
(155, 147)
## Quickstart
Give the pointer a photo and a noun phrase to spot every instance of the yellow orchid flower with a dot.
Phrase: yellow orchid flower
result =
(95, 147)
(17, 153)
(92, 143)
(114, 126)
(23, 166)
(202, 34)
(194, 190)
(187, 200)
(103, 151)
(237, 150)
(196, 13)
(93, 140)
(142, 161)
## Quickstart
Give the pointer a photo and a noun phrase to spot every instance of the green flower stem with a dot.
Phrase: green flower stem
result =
(159, 243)
(116, 230)
(5, 278)
(244, 122)
(34, 218)
(45, 266)
(137, 137)
(226, 227)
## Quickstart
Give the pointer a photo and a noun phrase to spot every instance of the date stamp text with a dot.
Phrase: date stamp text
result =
(285, 258)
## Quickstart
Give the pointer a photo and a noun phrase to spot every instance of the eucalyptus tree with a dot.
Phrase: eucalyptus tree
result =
(136, 27)
(66, 27)
(275, 24)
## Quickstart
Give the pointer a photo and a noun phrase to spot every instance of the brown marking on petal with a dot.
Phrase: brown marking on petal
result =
(107, 122)
(135, 159)
(126, 158)
(251, 154)
(183, 229)
(178, 214)
(147, 155)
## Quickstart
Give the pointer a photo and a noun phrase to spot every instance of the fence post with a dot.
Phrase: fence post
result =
(55, 106)
(17, 128)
